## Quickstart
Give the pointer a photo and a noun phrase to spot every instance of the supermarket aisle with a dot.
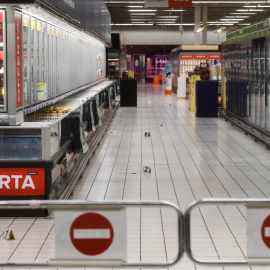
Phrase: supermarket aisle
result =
(190, 158)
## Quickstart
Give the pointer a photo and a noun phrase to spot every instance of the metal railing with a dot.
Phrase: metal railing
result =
(197, 203)
(95, 205)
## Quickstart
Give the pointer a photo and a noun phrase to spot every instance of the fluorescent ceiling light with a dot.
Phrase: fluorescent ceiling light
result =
(222, 24)
(231, 17)
(263, 6)
(145, 24)
(171, 17)
(199, 30)
(174, 10)
(166, 19)
(176, 24)
(249, 6)
(142, 14)
(135, 6)
(247, 10)
(141, 19)
(123, 24)
(244, 23)
(142, 10)
(124, 2)
(243, 13)
(220, 29)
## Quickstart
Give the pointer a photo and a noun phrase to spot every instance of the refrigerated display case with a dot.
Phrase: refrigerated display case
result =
(246, 58)
(55, 103)
(3, 95)
(61, 135)
(51, 58)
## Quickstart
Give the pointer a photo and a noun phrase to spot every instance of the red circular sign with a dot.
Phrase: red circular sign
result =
(265, 231)
(91, 234)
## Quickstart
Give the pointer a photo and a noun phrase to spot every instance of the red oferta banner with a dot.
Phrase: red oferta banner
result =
(22, 181)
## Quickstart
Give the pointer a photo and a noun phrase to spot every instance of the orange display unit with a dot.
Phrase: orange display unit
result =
(156, 80)
(168, 92)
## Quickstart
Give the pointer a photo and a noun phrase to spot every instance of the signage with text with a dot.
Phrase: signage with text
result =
(200, 56)
(22, 181)
(187, 56)
(214, 56)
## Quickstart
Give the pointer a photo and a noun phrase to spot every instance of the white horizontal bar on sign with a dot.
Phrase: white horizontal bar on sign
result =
(91, 234)
(267, 231)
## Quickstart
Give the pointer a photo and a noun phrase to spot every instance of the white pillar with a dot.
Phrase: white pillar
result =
(197, 25)
(204, 33)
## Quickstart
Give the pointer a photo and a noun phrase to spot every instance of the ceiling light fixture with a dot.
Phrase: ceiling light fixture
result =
(220, 29)
(118, 24)
(174, 10)
(124, 2)
(199, 30)
(142, 14)
(142, 10)
(247, 10)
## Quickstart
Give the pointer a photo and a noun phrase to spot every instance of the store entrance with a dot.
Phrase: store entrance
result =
(139, 67)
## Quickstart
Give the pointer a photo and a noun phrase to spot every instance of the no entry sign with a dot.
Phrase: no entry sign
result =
(258, 228)
(90, 235)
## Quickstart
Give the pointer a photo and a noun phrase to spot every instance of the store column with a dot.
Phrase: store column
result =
(204, 33)
(197, 25)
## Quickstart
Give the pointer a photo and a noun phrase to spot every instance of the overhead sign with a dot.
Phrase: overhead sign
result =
(258, 231)
(180, 3)
(186, 56)
(91, 235)
(156, 3)
(22, 181)
(214, 56)
(168, 3)
(200, 56)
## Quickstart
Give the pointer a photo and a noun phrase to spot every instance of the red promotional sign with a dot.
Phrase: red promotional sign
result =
(18, 31)
(214, 56)
(22, 181)
(200, 56)
(180, 3)
(91, 234)
(186, 56)
(265, 231)
(219, 100)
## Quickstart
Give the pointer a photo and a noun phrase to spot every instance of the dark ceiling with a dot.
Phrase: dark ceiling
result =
(223, 13)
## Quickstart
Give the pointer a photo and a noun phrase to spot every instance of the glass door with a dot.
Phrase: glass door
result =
(3, 95)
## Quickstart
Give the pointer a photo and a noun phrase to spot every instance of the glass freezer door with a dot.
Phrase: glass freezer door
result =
(3, 97)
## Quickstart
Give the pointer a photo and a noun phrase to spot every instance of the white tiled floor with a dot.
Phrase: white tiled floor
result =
(190, 158)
